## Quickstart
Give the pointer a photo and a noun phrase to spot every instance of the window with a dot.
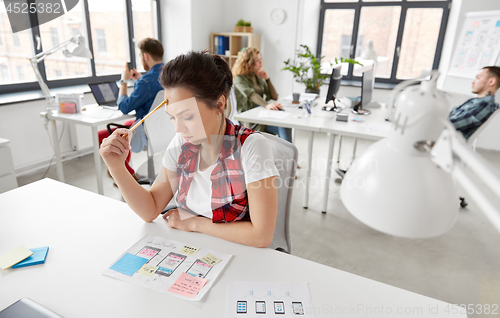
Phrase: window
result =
(75, 32)
(407, 35)
(5, 73)
(20, 73)
(54, 36)
(14, 53)
(60, 30)
(144, 12)
(106, 26)
(100, 36)
(15, 38)
(111, 42)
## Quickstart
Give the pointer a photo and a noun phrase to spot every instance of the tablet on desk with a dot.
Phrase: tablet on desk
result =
(27, 308)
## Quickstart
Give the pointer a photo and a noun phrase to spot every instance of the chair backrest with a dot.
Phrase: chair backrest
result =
(232, 106)
(139, 140)
(285, 158)
(472, 141)
(160, 131)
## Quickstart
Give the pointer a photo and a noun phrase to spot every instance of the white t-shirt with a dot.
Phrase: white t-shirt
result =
(256, 159)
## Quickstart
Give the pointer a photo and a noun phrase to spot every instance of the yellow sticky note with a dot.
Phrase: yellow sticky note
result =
(189, 250)
(147, 270)
(15, 256)
(209, 259)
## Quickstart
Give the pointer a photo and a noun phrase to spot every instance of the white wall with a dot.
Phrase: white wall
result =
(206, 17)
(176, 27)
(277, 41)
(460, 8)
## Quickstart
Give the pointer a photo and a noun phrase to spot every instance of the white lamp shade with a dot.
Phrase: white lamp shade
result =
(400, 194)
(79, 49)
(395, 187)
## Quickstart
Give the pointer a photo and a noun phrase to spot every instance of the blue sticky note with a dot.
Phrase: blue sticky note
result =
(498, 24)
(38, 257)
(128, 264)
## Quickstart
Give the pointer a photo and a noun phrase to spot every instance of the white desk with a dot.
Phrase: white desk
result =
(323, 121)
(94, 116)
(373, 127)
(86, 232)
(295, 119)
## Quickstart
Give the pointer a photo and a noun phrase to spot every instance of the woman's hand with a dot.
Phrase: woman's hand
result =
(174, 221)
(262, 74)
(115, 148)
(274, 106)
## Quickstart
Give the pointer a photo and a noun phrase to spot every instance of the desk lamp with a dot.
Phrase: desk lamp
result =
(72, 47)
(402, 185)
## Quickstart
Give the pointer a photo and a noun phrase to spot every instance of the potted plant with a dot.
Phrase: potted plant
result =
(307, 69)
(248, 27)
(239, 26)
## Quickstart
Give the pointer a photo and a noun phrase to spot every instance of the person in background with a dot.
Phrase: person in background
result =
(145, 89)
(252, 83)
(221, 171)
(469, 116)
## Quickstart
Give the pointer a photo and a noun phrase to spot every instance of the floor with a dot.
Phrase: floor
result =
(459, 267)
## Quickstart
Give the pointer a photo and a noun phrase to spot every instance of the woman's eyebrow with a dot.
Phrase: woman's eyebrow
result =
(185, 110)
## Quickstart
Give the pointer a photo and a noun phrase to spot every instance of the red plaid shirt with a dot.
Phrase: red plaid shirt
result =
(229, 194)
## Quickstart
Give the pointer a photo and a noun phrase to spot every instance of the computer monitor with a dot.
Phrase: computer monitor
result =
(333, 88)
(105, 94)
(367, 83)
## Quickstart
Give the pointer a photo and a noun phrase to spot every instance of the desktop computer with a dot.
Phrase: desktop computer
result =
(333, 88)
(367, 84)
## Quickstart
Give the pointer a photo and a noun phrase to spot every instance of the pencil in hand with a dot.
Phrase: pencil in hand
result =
(145, 117)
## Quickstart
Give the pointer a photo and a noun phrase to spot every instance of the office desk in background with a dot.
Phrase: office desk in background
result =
(87, 232)
(94, 116)
(294, 118)
(373, 127)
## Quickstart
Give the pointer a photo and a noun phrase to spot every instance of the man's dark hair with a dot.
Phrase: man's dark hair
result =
(494, 71)
(153, 47)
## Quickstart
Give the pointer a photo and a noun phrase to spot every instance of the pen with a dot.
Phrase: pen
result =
(145, 117)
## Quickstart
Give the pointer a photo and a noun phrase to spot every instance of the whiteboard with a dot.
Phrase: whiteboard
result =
(478, 45)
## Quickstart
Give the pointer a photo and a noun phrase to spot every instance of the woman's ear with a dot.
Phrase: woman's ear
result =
(221, 103)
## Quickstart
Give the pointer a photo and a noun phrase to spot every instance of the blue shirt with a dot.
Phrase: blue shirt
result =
(145, 90)
(472, 114)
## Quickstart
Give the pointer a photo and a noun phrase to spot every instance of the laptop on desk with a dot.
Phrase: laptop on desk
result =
(105, 94)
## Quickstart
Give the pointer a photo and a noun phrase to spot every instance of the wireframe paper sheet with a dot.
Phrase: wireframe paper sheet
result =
(159, 264)
(269, 299)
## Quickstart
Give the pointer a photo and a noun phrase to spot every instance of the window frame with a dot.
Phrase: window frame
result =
(405, 5)
(35, 31)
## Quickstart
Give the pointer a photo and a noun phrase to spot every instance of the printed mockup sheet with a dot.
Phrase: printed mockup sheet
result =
(268, 299)
(166, 266)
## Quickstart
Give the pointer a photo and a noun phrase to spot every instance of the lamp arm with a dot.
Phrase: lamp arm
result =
(42, 55)
(45, 90)
(452, 143)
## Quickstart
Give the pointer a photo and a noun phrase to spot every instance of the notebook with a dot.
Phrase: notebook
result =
(38, 257)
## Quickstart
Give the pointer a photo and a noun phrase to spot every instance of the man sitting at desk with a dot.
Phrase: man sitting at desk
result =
(469, 116)
(145, 89)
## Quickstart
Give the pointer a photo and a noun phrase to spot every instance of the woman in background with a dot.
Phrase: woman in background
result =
(251, 83)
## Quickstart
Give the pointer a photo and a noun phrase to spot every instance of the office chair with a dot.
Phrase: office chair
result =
(285, 158)
(158, 139)
(472, 141)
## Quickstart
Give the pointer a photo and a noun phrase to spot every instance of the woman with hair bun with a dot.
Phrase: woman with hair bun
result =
(221, 172)
(252, 83)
